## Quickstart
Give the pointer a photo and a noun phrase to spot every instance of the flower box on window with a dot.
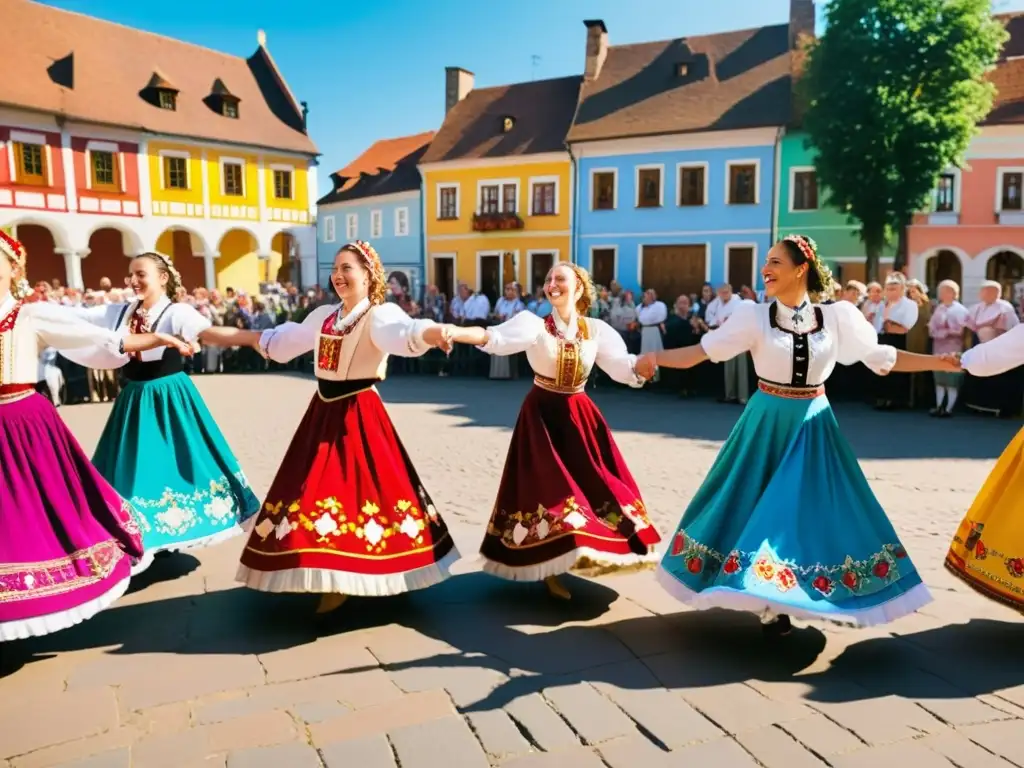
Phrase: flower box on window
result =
(487, 222)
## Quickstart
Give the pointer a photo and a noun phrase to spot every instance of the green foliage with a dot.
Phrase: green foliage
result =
(894, 90)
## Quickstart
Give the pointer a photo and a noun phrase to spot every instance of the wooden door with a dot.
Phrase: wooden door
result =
(509, 269)
(741, 267)
(602, 266)
(673, 270)
(444, 276)
(490, 277)
(540, 265)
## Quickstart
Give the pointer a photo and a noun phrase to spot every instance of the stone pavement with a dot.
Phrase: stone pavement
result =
(188, 670)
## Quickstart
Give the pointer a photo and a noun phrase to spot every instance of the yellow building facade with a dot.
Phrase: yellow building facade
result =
(490, 222)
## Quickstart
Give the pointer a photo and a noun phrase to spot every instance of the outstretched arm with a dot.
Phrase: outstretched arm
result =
(228, 336)
(681, 357)
(911, 362)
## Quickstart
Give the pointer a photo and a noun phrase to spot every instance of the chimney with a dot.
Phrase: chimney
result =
(305, 114)
(597, 48)
(801, 23)
(458, 82)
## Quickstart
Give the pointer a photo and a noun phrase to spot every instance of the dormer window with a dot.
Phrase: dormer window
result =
(222, 101)
(160, 92)
(168, 99)
(683, 69)
(507, 123)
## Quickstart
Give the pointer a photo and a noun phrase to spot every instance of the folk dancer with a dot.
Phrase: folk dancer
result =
(347, 513)
(161, 448)
(989, 319)
(987, 551)
(897, 316)
(566, 496)
(68, 538)
(946, 328)
(785, 522)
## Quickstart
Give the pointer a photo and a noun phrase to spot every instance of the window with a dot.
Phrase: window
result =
(602, 266)
(489, 199)
(352, 226)
(448, 203)
(945, 201)
(229, 108)
(31, 165)
(376, 223)
(168, 100)
(401, 222)
(329, 233)
(691, 185)
(103, 167)
(1011, 193)
(805, 191)
(648, 188)
(498, 198)
(603, 184)
(543, 199)
(742, 184)
(175, 173)
(282, 184)
(233, 179)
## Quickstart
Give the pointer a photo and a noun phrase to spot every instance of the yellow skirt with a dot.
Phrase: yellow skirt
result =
(988, 549)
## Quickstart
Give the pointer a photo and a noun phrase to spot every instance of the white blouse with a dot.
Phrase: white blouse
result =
(40, 325)
(392, 331)
(653, 314)
(904, 312)
(1000, 355)
(528, 333)
(846, 338)
(179, 319)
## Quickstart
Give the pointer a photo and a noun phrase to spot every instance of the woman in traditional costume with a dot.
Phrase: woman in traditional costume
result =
(68, 538)
(988, 549)
(566, 493)
(946, 327)
(161, 448)
(785, 522)
(347, 513)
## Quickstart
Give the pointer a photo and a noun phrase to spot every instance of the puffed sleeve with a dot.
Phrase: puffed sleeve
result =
(64, 330)
(857, 340)
(394, 332)
(187, 323)
(739, 334)
(612, 356)
(103, 315)
(289, 340)
(515, 335)
(1000, 355)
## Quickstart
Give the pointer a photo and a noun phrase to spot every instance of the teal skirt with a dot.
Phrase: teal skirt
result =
(785, 522)
(162, 450)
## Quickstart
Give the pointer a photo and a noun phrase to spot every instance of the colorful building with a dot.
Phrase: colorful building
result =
(974, 230)
(675, 144)
(115, 141)
(802, 207)
(497, 200)
(378, 197)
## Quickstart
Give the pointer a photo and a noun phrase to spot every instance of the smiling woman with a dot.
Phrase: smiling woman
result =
(785, 522)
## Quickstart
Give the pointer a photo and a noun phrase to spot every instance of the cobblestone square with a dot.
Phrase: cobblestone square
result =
(189, 669)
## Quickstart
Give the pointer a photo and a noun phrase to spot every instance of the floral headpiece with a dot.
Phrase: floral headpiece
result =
(12, 249)
(807, 247)
(364, 249)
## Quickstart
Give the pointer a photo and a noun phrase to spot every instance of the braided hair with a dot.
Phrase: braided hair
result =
(803, 250)
(165, 266)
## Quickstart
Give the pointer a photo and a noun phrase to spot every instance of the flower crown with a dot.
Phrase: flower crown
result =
(364, 249)
(807, 247)
(11, 248)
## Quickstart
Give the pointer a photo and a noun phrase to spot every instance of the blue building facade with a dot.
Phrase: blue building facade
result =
(378, 198)
(675, 212)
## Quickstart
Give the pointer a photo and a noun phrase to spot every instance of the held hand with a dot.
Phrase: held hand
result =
(439, 336)
(187, 349)
(646, 366)
(949, 362)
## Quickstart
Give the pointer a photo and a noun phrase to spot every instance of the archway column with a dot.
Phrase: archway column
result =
(73, 266)
(210, 268)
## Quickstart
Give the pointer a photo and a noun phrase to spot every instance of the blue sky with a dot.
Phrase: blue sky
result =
(373, 69)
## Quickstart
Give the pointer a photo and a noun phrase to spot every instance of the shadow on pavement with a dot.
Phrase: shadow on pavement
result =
(163, 569)
(908, 435)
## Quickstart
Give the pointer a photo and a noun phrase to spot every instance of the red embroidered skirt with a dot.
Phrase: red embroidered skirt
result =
(346, 512)
(565, 493)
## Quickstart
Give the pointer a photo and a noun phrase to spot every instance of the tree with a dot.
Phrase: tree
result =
(893, 92)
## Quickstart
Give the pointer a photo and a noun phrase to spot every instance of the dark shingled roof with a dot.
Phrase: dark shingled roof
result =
(386, 168)
(734, 80)
(541, 111)
(1008, 76)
